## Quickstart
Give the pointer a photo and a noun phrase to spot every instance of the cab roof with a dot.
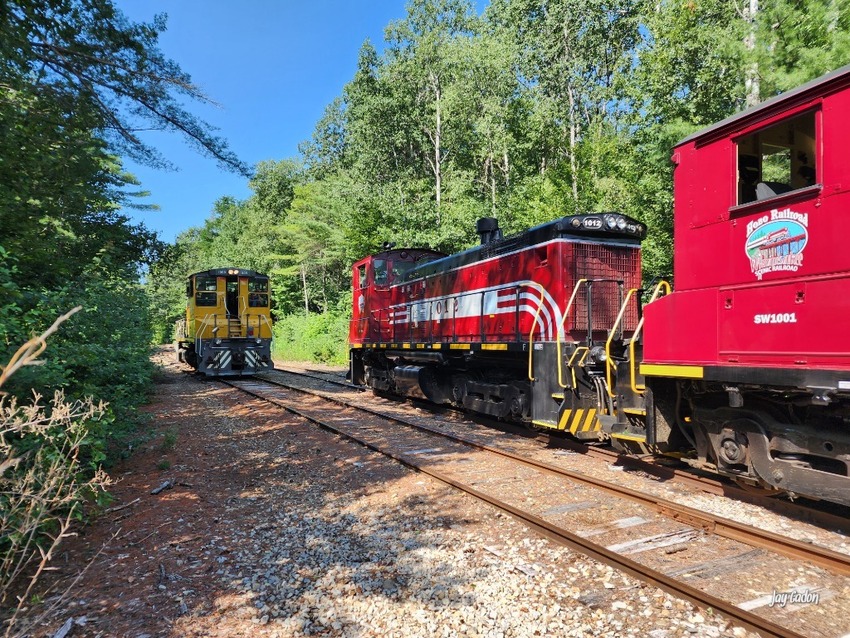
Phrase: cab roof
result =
(229, 272)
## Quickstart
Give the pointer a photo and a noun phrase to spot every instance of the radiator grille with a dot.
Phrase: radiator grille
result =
(598, 261)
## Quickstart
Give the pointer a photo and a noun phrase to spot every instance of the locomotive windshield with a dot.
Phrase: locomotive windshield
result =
(380, 267)
(205, 291)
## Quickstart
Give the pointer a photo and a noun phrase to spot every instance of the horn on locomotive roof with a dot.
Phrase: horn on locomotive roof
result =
(488, 229)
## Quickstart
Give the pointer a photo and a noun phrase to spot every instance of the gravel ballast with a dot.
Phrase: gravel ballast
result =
(275, 528)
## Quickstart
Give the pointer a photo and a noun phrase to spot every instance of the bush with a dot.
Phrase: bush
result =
(43, 481)
(103, 351)
(322, 338)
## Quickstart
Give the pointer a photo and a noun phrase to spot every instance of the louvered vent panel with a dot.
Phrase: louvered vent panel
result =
(596, 261)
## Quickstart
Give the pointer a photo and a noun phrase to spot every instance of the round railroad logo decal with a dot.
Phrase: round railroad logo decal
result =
(775, 241)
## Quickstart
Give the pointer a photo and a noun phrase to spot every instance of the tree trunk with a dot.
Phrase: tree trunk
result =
(490, 169)
(437, 141)
(573, 163)
(751, 81)
(304, 283)
(832, 17)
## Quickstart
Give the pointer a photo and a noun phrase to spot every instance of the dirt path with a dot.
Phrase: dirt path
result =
(274, 528)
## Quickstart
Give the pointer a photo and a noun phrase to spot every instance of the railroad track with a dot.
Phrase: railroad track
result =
(827, 516)
(715, 563)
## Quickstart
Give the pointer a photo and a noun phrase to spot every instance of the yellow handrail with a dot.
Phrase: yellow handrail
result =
(262, 319)
(531, 334)
(586, 351)
(640, 388)
(608, 364)
(563, 325)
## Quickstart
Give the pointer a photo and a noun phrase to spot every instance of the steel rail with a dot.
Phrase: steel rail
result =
(562, 536)
(708, 484)
(713, 485)
(835, 562)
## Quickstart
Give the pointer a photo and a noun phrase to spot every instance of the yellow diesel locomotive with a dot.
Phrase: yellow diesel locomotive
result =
(227, 330)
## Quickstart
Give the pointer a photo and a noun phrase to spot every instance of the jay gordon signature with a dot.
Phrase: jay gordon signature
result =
(794, 597)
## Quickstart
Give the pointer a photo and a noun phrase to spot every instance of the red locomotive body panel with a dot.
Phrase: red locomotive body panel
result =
(760, 215)
(476, 297)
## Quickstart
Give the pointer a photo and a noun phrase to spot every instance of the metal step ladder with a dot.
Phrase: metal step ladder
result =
(234, 328)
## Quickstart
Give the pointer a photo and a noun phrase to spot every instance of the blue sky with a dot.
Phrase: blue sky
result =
(272, 66)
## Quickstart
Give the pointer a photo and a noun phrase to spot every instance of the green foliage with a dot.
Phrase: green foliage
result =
(169, 439)
(86, 58)
(316, 337)
(102, 351)
(797, 41)
(528, 112)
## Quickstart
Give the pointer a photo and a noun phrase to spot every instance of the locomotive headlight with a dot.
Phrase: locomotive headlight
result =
(621, 223)
(218, 342)
(575, 223)
(597, 354)
(258, 341)
(611, 221)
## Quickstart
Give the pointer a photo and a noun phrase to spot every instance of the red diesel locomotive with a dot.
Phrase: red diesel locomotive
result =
(743, 366)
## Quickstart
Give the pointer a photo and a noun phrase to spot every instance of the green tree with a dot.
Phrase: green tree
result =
(75, 51)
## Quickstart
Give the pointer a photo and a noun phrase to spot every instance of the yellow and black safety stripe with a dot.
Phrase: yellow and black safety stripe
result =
(579, 420)
(574, 421)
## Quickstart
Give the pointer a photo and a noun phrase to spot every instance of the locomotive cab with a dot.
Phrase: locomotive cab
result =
(748, 354)
(227, 329)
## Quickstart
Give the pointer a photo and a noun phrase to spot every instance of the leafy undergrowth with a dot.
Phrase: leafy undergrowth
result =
(322, 338)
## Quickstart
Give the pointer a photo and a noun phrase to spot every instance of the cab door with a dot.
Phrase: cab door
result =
(361, 323)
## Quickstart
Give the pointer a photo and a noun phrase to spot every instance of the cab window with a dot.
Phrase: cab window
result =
(361, 275)
(258, 300)
(778, 159)
(205, 299)
(205, 284)
(205, 291)
(257, 292)
(380, 267)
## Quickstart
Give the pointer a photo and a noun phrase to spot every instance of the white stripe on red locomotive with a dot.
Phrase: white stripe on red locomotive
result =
(497, 300)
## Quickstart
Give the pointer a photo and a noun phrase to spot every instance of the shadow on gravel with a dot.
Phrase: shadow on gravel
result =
(307, 534)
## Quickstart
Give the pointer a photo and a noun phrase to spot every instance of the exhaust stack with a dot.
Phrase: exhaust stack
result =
(488, 230)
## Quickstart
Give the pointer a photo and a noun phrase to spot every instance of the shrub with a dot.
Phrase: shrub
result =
(103, 351)
(317, 337)
(43, 482)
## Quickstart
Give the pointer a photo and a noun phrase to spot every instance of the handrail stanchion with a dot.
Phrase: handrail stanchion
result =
(613, 331)
(640, 388)
(481, 318)
(531, 335)
(562, 328)
(517, 335)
